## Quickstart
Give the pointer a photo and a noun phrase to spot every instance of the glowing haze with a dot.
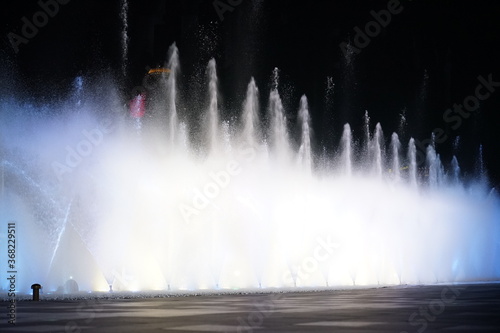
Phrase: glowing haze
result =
(147, 204)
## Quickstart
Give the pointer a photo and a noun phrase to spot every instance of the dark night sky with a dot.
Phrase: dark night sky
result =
(453, 41)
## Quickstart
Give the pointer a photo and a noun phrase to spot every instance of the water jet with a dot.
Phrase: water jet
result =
(115, 222)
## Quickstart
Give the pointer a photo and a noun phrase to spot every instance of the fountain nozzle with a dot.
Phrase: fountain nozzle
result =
(36, 291)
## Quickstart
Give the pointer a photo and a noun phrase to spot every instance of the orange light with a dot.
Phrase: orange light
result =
(158, 70)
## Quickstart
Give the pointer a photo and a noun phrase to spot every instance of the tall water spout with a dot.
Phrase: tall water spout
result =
(78, 91)
(124, 36)
(412, 158)
(305, 144)
(436, 171)
(347, 150)
(278, 126)
(173, 65)
(275, 79)
(251, 114)
(377, 144)
(213, 110)
(432, 165)
(395, 147)
(455, 170)
(367, 134)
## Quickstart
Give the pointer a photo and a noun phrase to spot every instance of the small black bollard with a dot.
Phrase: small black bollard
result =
(36, 291)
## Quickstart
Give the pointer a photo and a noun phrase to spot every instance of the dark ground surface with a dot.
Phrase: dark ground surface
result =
(460, 308)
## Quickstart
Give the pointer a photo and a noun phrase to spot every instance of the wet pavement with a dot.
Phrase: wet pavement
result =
(438, 308)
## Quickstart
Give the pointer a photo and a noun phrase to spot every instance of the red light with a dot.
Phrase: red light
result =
(138, 106)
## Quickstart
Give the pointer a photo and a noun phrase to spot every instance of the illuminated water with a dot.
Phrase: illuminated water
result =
(151, 204)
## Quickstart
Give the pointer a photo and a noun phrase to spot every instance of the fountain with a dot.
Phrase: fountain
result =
(239, 205)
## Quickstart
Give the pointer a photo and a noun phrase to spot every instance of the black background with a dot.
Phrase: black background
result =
(452, 41)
